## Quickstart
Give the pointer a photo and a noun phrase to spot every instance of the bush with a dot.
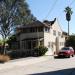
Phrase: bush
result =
(40, 51)
(19, 54)
(71, 41)
(4, 58)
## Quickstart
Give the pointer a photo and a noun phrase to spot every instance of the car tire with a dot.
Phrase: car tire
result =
(73, 55)
(69, 56)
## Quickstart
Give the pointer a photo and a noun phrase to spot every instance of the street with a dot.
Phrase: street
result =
(58, 66)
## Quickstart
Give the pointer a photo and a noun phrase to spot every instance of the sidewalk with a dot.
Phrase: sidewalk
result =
(24, 62)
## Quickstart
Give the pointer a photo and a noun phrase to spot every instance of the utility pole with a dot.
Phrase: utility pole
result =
(38, 36)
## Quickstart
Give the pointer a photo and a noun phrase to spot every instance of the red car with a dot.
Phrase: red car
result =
(66, 51)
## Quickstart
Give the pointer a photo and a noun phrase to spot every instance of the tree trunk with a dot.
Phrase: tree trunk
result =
(68, 28)
(4, 50)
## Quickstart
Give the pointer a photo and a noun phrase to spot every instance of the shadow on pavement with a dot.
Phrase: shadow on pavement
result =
(57, 57)
(70, 71)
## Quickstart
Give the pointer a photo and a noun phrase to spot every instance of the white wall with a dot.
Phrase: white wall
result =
(49, 37)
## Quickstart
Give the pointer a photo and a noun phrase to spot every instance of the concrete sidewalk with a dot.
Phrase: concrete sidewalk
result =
(24, 62)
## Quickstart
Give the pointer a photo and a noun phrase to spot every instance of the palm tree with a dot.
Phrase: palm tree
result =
(68, 15)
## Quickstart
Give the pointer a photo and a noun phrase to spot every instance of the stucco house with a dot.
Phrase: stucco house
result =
(46, 33)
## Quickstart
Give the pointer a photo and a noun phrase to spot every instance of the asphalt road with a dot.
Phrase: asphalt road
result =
(58, 66)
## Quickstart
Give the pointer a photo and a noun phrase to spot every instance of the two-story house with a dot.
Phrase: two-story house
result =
(47, 33)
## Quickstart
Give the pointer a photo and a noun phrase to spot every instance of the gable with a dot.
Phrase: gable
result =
(56, 26)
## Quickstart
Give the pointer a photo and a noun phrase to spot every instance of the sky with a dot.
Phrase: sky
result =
(50, 9)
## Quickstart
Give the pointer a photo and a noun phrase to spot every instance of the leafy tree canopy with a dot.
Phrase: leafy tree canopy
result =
(12, 13)
(68, 9)
(68, 12)
(71, 41)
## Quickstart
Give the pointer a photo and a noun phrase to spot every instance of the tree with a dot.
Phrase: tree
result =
(1, 42)
(71, 41)
(68, 15)
(12, 13)
(12, 40)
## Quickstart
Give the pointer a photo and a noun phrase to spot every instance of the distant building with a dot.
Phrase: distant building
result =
(47, 33)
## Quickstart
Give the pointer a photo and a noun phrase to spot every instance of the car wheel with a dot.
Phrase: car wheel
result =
(69, 56)
(73, 55)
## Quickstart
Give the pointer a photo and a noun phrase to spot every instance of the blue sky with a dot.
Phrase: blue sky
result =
(49, 9)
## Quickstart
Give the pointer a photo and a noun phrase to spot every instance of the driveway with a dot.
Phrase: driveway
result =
(49, 66)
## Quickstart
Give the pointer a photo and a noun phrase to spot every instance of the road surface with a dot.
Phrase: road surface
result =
(58, 66)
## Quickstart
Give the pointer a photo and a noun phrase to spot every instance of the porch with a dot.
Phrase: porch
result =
(31, 43)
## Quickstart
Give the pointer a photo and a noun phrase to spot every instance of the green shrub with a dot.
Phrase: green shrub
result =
(70, 41)
(40, 51)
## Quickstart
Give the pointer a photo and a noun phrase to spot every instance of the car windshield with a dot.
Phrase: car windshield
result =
(65, 48)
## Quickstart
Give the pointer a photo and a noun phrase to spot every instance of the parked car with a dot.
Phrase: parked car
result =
(66, 51)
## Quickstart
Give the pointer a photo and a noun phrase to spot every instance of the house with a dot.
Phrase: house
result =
(46, 33)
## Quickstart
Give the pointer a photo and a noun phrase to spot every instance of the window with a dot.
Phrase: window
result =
(27, 44)
(47, 29)
(48, 44)
(25, 30)
(23, 44)
(54, 32)
(59, 33)
(40, 29)
(65, 48)
(33, 29)
(41, 42)
(61, 43)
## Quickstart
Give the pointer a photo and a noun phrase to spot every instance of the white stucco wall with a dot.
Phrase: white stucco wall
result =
(49, 37)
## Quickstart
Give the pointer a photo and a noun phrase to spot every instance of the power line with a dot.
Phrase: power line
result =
(71, 3)
(67, 5)
(53, 6)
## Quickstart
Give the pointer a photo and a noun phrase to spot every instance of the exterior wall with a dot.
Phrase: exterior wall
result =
(31, 35)
(48, 39)
(37, 36)
(61, 42)
(56, 41)
(53, 42)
